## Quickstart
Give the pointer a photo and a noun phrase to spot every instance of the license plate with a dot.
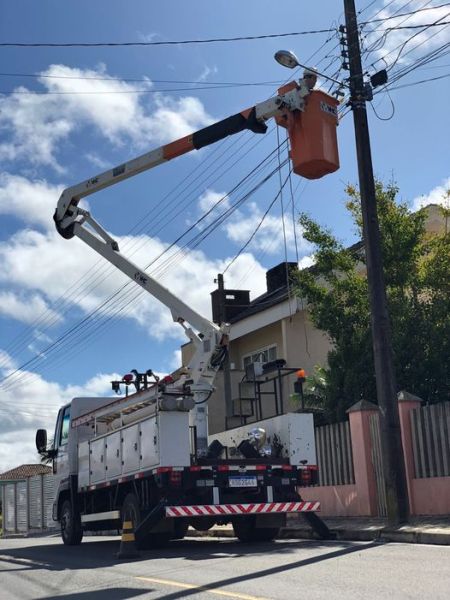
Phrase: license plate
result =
(243, 481)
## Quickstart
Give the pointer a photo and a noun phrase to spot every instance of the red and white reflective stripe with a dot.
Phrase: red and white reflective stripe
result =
(202, 510)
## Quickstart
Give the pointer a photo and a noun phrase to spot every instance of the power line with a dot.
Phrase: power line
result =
(97, 281)
(426, 59)
(93, 274)
(56, 345)
(136, 80)
(412, 84)
(161, 217)
(380, 42)
(258, 226)
(398, 15)
(162, 43)
(403, 44)
(426, 25)
(127, 303)
(109, 92)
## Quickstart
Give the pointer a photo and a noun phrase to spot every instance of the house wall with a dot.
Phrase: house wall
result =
(305, 346)
(297, 341)
(270, 335)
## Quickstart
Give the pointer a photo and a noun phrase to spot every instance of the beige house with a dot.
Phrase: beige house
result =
(273, 326)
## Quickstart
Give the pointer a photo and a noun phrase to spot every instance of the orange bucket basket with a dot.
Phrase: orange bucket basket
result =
(313, 136)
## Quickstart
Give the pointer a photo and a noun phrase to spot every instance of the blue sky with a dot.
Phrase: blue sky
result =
(77, 113)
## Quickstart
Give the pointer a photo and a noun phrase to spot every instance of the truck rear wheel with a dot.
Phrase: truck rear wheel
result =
(71, 531)
(180, 528)
(132, 511)
(246, 531)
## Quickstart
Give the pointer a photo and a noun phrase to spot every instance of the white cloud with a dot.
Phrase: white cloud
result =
(429, 39)
(269, 237)
(176, 360)
(148, 37)
(34, 125)
(436, 196)
(33, 202)
(33, 403)
(213, 203)
(7, 363)
(42, 337)
(29, 264)
(173, 119)
(306, 261)
(104, 103)
(97, 161)
(210, 198)
(26, 307)
(207, 71)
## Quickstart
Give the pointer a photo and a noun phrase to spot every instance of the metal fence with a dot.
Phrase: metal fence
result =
(27, 505)
(430, 427)
(334, 454)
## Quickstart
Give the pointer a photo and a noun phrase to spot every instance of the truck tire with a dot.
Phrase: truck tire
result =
(180, 528)
(245, 531)
(202, 523)
(71, 531)
(132, 511)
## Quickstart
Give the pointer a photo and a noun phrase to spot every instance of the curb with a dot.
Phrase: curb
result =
(359, 535)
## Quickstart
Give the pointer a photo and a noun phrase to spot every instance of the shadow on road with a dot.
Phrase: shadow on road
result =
(349, 549)
(105, 594)
(102, 553)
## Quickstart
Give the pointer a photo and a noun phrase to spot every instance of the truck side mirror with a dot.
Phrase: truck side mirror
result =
(41, 440)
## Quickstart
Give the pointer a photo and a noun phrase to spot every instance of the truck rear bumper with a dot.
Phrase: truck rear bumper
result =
(209, 510)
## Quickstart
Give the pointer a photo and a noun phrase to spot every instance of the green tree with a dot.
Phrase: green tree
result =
(417, 274)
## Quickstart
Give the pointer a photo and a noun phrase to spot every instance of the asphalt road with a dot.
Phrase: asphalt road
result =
(207, 568)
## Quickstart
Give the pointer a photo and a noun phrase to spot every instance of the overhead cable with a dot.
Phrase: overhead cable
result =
(57, 343)
(398, 15)
(161, 43)
(414, 83)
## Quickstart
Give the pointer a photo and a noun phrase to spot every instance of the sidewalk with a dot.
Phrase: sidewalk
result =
(419, 530)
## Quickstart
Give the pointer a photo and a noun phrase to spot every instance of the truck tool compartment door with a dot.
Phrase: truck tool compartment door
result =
(130, 449)
(149, 443)
(113, 455)
(97, 460)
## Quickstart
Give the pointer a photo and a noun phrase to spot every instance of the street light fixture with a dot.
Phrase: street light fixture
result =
(287, 58)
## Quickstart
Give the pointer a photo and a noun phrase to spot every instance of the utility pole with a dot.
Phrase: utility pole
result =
(391, 444)
(226, 362)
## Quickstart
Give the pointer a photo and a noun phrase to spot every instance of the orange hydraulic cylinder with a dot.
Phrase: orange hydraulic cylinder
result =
(313, 136)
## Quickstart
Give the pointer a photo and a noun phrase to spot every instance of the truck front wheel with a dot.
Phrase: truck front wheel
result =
(71, 531)
(246, 531)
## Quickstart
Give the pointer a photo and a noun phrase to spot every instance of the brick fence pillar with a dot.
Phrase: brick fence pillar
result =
(365, 480)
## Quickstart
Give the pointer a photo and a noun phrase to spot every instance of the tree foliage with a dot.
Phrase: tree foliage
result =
(417, 274)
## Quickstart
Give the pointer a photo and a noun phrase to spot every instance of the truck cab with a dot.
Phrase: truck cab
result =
(64, 447)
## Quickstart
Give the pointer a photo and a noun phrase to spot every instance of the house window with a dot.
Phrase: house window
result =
(262, 355)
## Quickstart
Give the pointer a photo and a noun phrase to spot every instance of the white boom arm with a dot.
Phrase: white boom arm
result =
(210, 341)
